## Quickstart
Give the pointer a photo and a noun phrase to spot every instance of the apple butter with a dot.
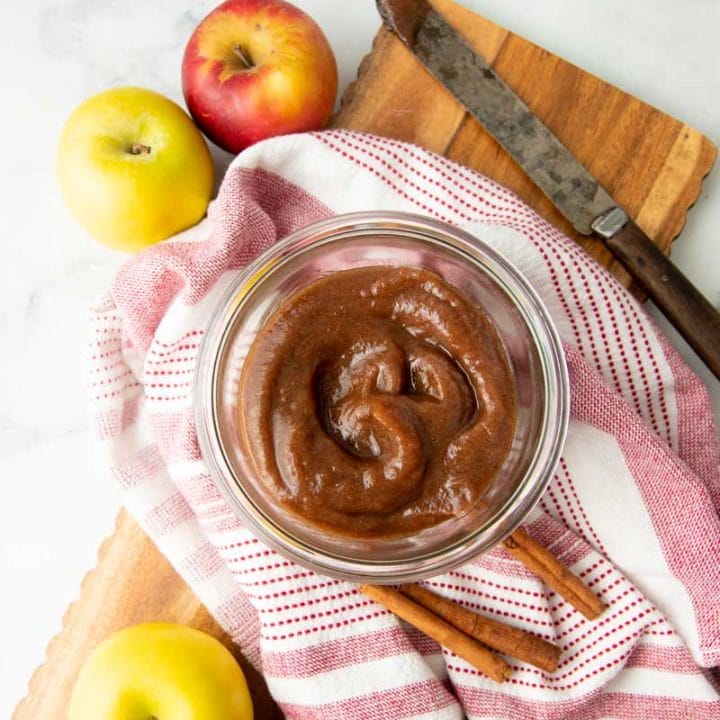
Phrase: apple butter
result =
(376, 402)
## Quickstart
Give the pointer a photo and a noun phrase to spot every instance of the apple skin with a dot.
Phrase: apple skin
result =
(290, 86)
(162, 671)
(133, 168)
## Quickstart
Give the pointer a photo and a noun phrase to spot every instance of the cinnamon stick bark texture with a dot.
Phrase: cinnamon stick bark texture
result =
(444, 633)
(497, 635)
(553, 573)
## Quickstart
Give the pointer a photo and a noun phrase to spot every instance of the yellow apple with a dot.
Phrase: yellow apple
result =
(162, 671)
(133, 168)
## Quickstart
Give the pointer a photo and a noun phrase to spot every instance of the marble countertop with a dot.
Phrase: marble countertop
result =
(55, 503)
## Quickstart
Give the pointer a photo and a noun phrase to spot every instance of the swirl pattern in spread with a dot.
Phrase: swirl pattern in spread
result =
(377, 402)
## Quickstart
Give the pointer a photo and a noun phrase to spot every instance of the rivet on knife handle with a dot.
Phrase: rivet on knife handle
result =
(552, 167)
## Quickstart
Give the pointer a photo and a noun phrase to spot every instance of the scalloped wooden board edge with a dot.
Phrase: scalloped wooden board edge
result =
(651, 163)
(132, 582)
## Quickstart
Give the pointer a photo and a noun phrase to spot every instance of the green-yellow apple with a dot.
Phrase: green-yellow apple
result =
(254, 69)
(133, 168)
(161, 671)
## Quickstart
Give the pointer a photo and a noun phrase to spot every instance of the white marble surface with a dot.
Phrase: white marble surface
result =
(55, 505)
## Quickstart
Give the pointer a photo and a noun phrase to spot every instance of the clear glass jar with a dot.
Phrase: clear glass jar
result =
(480, 273)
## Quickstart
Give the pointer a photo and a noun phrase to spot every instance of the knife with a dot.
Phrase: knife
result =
(553, 168)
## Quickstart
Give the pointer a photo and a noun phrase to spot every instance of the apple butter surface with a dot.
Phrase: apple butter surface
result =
(376, 402)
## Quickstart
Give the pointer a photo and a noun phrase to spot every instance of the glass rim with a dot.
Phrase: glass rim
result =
(546, 342)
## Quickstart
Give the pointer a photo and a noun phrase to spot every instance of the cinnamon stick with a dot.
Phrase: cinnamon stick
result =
(553, 573)
(444, 633)
(497, 635)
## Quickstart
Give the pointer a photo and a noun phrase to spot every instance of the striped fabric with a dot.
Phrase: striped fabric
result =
(632, 506)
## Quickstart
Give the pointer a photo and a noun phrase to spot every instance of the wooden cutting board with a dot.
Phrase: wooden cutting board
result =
(652, 164)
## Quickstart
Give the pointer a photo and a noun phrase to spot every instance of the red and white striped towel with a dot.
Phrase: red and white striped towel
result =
(632, 507)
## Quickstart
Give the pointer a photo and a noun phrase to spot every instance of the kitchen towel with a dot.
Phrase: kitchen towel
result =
(632, 507)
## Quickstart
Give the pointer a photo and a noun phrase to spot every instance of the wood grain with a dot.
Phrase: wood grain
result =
(652, 164)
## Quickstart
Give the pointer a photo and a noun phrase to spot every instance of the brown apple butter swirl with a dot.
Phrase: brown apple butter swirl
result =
(377, 402)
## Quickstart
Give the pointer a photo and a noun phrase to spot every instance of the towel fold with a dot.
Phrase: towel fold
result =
(632, 507)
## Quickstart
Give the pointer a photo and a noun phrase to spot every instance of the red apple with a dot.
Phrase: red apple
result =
(254, 69)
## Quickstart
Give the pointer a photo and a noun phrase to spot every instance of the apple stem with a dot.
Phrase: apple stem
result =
(244, 56)
(139, 149)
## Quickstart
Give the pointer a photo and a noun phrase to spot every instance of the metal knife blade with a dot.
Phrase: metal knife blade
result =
(553, 168)
(499, 110)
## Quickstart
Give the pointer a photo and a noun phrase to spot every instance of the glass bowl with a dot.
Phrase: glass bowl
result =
(481, 274)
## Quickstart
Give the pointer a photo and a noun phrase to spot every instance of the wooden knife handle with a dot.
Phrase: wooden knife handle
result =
(679, 300)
